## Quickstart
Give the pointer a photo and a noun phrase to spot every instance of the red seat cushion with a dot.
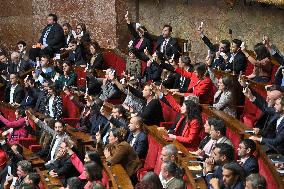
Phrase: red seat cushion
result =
(81, 76)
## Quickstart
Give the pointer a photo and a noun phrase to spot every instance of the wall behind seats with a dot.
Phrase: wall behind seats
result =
(246, 22)
(24, 19)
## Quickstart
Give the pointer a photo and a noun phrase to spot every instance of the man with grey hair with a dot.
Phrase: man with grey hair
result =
(17, 65)
(169, 175)
(169, 153)
(255, 181)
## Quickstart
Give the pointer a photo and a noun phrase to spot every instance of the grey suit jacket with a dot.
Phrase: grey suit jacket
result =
(175, 184)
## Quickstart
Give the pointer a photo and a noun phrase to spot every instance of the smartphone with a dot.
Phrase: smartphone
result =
(57, 56)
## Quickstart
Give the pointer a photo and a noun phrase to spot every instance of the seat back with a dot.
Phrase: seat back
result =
(70, 110)
(168, 112)
(81, 76)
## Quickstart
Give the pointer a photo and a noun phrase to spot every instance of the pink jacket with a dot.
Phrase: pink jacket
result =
(80, 168)
(18, 126)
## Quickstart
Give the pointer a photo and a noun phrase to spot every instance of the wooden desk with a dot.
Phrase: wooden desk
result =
(118, 176)
(182, 158)
(48, 181)
(81, 138)
(239, 128)
(33, 158)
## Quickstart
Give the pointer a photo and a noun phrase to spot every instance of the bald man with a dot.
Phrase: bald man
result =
(17, 65)
(265, 126)
(137, 138)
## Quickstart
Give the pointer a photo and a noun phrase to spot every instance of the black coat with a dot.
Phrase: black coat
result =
(19, 94)
(251, 165)
(140, 145)
(55, 38)
(172, 47)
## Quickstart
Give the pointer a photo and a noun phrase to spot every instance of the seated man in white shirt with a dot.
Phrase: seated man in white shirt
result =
(170, 179)
(14, 92)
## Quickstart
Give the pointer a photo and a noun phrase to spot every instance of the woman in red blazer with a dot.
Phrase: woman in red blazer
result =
(200, 83)
(189, 126)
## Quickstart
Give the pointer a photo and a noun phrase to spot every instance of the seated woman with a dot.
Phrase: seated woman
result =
(68, 77)
(68, 36)
(90, 157)
(120, 152)
(17, 128)
(262, 64)
(97, 59)
(224, 98)
(151, 113)
(188, 127)
(109, 89)
(138, 42)
(200, 83)
(54, 103)
(81, 34)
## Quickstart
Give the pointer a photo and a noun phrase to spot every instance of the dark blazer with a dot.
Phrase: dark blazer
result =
(30, 98)
(64, 168)
(77, 56)
(172, 47)
(279, 58)
(23, 66)
(145, 44)
(55, 38)
(153, 73)
(98, 123)
(19, 94)
(218, 173)
(40, 105)
(140, 145)
(13, 158)
(152, 113)
(276, 143)
(251, 165)
(267, 121)
(70, 39)
(238, 185)
(97, 62)
(238, 64)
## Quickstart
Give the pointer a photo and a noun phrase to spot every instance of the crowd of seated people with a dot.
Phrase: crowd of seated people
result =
(116, 110)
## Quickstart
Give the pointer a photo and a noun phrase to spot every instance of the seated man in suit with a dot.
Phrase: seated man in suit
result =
(51, 40)
(223, 153)
(276, 143)
(165, 44)
(14, 92)
(3, 68)
(169, 153)
(247, 160)
(137, 137)
(263, 124)
(62, 167)
(233, 177)
(255, 181)
(218, 133)
(17, 65)
(169, 178)
(76, 54)
(224, 59)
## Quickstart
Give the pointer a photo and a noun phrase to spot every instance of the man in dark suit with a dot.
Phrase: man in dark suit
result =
(76, 54)
(137, 138)
(224, 59)
(233, 175)
(264, 125)
(276, 143)
(14, 92)
(222, 153)
(276, 121)
(62, 166)
(18, 65)
(52, 39)
(165, 44)
(247, 160)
